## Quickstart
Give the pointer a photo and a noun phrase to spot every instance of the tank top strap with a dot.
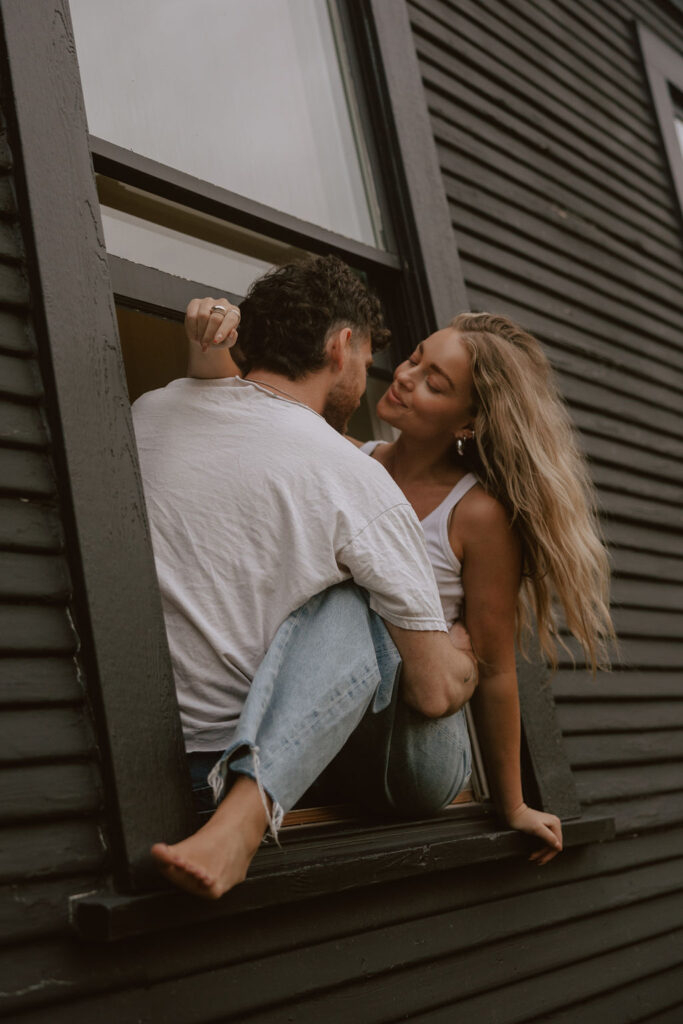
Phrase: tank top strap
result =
(370, 446)
(442, 514)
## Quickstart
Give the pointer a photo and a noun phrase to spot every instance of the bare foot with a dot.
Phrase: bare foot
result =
(217, 856)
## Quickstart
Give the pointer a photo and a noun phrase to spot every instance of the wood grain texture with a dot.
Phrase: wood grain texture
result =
(21, 425)
(46, 849)
(36, 680)
(266, 939)
(40, 792)
(36, 629)
(14, 333)
(29, 526)
(30, 576)
(44, 735)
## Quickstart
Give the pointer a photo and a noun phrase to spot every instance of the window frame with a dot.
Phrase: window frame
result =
(107, 530)
(664, 70)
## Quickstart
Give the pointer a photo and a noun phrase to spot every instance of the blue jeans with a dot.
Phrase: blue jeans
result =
(325, 699)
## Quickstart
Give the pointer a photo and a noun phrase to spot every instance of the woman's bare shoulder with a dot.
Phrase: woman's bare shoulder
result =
(354, 440)
(478, 511)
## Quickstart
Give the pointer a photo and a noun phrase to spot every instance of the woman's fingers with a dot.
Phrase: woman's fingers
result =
(211, 321)
(228, 328)
(212, 312)
(191, 318)
(544, 826)
(549, 830)
(221, 318)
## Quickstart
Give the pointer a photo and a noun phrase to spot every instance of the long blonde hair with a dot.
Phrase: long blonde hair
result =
(527, 456)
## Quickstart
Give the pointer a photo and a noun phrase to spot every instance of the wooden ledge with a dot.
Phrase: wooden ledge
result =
(312, 865)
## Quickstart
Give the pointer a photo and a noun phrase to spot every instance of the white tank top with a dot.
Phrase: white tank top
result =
(447, 568)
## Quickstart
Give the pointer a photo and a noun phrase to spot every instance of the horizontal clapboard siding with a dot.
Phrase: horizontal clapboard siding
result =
(566, 221)
(388, 953)
(50, 792)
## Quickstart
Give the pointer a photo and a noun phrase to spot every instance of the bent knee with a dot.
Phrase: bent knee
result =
(423, 802)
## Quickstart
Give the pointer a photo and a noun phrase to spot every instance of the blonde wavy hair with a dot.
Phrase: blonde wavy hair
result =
(526, 455)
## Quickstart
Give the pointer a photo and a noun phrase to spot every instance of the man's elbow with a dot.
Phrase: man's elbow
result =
(431, 705)
(439, 701)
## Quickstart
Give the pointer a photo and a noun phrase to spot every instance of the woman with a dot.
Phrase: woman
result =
(488, 458)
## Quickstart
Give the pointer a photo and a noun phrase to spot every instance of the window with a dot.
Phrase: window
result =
(117, 606)
(285, 131)
(664, 69)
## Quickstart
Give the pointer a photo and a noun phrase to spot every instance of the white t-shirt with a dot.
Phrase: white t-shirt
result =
(256, 504)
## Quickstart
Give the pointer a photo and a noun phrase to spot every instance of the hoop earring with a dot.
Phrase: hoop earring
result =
(460, 446)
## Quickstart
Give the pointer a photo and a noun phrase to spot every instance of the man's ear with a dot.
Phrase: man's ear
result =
(337, 347)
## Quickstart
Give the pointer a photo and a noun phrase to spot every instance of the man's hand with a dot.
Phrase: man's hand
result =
(460, 638)
(211, 322)
(437, 679)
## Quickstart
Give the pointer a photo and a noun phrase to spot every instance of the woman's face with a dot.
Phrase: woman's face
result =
(431, 396)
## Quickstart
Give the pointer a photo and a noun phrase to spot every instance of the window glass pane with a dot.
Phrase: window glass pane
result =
(165, 249)
(159, 233)
(251, 95)
(679, 132)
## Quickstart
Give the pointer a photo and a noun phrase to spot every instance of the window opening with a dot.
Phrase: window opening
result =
(149, 228)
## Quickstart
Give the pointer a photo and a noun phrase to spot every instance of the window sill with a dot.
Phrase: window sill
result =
(312, 865)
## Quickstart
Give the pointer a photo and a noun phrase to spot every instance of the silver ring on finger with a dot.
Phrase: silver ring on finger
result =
(218, 309)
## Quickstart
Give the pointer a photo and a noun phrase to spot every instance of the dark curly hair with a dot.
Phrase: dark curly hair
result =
(288, 314)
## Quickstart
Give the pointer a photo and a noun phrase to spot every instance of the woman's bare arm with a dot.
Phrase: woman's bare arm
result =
(491, 574)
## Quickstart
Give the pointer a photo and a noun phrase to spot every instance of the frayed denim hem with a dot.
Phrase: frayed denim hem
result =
(218, 776)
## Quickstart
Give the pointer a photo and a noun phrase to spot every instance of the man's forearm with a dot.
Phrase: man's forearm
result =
(437, 679)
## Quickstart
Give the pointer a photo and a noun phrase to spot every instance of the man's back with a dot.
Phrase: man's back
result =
(256, 504)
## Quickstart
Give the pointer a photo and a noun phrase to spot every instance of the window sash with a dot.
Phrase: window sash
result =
(160, 180)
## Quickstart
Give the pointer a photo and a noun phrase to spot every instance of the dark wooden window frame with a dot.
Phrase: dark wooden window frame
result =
(116, 600)
(664, 70)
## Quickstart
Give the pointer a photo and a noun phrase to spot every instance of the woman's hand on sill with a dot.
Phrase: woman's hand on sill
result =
(547, 827)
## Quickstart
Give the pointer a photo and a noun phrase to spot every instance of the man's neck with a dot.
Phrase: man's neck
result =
(310, 390)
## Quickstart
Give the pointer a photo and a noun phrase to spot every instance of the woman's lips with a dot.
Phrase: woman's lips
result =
(393, 397)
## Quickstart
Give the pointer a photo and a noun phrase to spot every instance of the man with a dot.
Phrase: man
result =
(259, 507)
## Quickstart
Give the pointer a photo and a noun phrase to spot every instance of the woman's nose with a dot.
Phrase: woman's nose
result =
(402, 375)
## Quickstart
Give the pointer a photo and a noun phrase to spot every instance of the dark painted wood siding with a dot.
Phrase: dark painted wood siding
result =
(565, 219)
(50, 840)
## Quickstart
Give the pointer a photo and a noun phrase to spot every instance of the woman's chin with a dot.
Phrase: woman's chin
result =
(385, 411)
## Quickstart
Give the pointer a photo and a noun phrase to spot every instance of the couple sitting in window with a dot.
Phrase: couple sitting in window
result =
(315, 591)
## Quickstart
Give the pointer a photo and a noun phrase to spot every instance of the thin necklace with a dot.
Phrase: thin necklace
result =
(254, 380)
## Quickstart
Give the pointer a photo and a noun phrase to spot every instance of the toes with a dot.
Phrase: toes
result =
(162, 853)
